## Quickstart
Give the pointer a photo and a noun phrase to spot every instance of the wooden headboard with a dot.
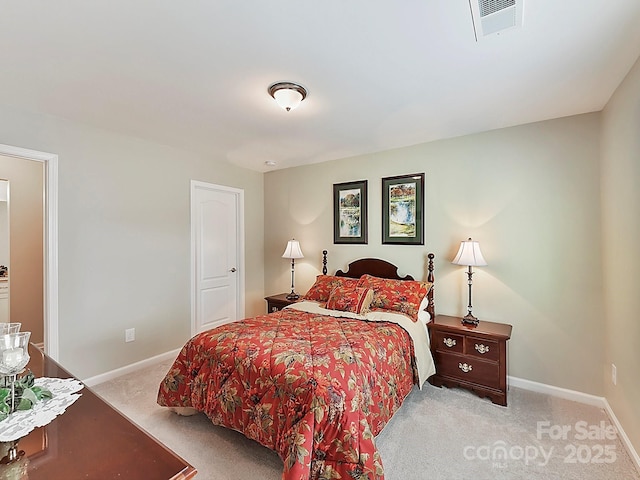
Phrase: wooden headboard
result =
(372, 266)
(383, 269)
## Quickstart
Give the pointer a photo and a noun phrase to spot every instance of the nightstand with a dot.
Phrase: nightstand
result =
(471, 357)
(278, 302)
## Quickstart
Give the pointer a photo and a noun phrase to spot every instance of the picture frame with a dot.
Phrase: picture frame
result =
(350, 216)
(403, 209)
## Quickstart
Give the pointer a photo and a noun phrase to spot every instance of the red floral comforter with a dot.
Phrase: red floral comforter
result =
(314, 388)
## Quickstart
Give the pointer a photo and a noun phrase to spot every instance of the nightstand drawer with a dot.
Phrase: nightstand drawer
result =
(276, 303)
(275, 307)
(482, 348)
(447, 342)
(468, 369)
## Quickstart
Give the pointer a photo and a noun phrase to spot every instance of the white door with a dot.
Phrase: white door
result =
(217, 240)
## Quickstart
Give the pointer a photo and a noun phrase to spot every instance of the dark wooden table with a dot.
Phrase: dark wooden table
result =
(92, 440)
(278, 302)
(471, 356)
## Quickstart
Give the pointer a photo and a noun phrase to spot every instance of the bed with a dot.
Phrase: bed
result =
(318, 380)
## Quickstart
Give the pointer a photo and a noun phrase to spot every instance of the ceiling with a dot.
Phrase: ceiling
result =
(380, 74)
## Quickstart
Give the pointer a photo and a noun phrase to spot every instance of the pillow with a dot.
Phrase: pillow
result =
(324, 284)
(404, 296)
(350, 299)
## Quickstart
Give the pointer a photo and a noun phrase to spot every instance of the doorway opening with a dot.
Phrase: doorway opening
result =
(50, 291)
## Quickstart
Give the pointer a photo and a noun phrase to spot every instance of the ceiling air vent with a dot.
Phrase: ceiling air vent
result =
(492, 17)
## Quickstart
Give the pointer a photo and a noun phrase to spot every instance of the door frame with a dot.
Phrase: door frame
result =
(50, 160)
(239, 194)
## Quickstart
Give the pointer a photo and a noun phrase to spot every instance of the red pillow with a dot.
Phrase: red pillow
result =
(350, 299)
(321, 290)
(402, 296)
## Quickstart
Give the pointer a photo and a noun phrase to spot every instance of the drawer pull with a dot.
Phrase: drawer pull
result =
(449, 342)
(464, 367)
(482, 348)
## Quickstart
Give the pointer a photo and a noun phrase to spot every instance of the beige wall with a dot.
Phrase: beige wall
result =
(26, 243)
(529, 194)
(621, 259)
(124, 238)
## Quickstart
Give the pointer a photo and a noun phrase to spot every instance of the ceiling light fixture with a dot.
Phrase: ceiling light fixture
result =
(288, 95)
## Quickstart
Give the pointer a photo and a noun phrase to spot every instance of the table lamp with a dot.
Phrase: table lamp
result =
(469, 255)
(293, 251)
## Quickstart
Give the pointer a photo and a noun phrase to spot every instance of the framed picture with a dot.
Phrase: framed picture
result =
(403, 210)
(350, 212)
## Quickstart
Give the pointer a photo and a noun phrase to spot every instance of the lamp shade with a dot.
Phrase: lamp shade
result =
(288, 99)
(293, 250)
(469, 254)
(287, 94)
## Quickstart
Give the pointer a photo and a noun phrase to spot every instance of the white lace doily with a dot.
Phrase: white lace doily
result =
(19, 424)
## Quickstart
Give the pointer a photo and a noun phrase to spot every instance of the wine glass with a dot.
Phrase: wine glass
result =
(14, 356)
(6, 328)
(14, 352)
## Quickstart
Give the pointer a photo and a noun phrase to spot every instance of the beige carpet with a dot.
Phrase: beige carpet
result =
(437, 434)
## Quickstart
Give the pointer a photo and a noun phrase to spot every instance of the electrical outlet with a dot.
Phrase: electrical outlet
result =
(129, 334)
(614, 374)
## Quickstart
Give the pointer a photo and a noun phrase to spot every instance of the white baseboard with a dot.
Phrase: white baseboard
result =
(557, 391)
(600, 402)
(104, 377)
(635, 458)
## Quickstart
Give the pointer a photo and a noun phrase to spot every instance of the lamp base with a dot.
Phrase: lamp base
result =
(469, 319)
(13, 454)
(293, 296)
